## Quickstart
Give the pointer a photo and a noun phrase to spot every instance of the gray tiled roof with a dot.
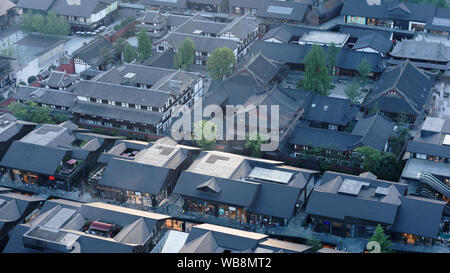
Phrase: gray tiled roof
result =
(389, 10)
(145, 178)
(34, 158)
(412, 83)
(419, 216)
(232, 192)
(121, 93)
(202, 43)
(46, 96)
(33, 4)
(316, 137)
(285, 33)
(59, 79)
(326, 201)
(330, 110)
(361, 31)
(375, 41)
(84, 9)
(118, 113)
(428, 149)
(421, 50)
(375, 130)
(297, 14)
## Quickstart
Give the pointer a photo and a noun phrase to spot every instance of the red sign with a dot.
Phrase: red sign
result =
(51, 178)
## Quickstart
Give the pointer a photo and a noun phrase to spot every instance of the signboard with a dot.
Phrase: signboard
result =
(103, 13)
(356, 20)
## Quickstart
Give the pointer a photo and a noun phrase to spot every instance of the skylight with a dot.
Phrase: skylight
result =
(280, 10)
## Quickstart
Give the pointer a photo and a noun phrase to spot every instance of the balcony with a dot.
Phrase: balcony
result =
(68, 166)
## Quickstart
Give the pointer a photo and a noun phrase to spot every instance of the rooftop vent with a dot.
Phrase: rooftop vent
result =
(129, 79)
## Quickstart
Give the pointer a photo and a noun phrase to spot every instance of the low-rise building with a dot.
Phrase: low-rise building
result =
(424, 54)
(389, 14)
(7, 12)
(337, 147)
(402, 91)
(208, 35)
(348, 59)
(207, 238)
(56, 156)
(82, 15)
(70, 227)
(12, 129)
(242, 189)
(135, 98)
(143, 177)
(352, 206)
(14, 209)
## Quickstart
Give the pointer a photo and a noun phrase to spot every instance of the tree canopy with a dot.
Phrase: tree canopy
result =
(205, 134)
(144, 45)
(129, 54)
(185, 55)
(384, 165)
(314, 243)
(353, 92)
(333, 52)
(382, 239)
(317, 77)
(364, 68)
(30, 111)
(50, 24)
(221, 62)
(254, 145)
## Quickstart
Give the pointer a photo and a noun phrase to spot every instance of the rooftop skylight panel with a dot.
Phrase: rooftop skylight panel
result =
(280, 10)
(441, 22)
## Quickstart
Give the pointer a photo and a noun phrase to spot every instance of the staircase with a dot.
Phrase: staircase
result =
(434, 182)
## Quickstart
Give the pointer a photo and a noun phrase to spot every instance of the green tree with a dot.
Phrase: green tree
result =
(333, 52)
(52, 22)
(61, 27)
(353, 92)
(59, 118)
(185, 55)
(119, 46)
(144, 45)
(221, 62)
(39, 23)
(30, 111)
(105, 56)
(129, 54)
(382, 239)
(371, 158)
(7, 48)
(388, 167)
(26, 23)
(31, 79)
(364, 69)
(399, 139)
(205, 133)
(375, 108)
(314, 243)
(317, 77)
(254, 145)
